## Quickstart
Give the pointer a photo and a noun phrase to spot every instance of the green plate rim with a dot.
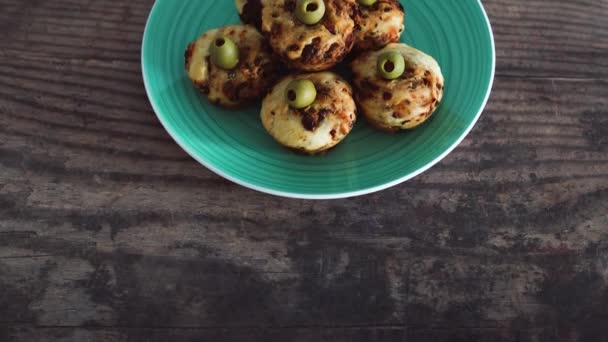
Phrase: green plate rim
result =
(319, 196)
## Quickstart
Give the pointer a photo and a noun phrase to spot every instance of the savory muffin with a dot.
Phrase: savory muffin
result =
(232, 66)
(309, 113)
(379, 22)
(397, 87)
(308, 35)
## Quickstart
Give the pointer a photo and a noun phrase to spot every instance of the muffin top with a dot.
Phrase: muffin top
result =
(320, 125)
(307, 47)
(247, 81)
(401, 103)
(379, 24)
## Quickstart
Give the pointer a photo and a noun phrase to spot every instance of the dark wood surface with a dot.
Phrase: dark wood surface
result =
(109, 232)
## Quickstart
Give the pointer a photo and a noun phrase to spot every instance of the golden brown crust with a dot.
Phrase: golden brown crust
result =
(248, 82)
(404, 103)
(318, 127)
(379, 24)
(309, 47)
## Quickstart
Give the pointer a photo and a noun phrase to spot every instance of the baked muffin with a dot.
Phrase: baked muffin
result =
(379, 23)
(232, 66)
(397, 87)
(309, 113)
(308, 35)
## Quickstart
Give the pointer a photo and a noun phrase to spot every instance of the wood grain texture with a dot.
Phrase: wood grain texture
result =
(109, 232)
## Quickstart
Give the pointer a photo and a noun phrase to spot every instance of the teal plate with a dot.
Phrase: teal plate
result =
(235, 145)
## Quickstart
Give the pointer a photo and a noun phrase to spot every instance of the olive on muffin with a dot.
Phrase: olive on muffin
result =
(398, 87)
(308, 35)
(378, 23)
(232, 65)
(309, 113)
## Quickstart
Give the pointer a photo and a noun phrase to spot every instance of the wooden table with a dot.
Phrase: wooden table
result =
(109, 232)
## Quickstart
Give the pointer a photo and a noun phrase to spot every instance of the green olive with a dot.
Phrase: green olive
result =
(224, 53)
(367, 2)
(310, 12)
(301, 93)
(391, 65)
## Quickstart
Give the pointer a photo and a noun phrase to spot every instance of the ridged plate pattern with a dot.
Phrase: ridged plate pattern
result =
(234, 144)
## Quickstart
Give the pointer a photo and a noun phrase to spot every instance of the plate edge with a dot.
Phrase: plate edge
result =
(328, 196)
